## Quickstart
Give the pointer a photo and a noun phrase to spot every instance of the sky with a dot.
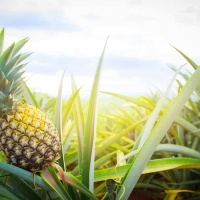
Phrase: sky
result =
(71, 34)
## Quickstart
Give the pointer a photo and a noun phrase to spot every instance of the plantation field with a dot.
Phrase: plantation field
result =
(116, 147)
(121, 120)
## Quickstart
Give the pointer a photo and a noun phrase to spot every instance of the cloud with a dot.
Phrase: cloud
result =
(189, 16)
(71, 34)
(33, 5)
(139, 18)
(189, 10)
(49, 20)
(46, 64)
(112, 80)
(135, 2)
(92, 17)
(122, 75)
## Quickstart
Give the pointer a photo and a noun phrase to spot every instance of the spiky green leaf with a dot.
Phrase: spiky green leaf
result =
(1, 41)
(19, 45)
(6, 56)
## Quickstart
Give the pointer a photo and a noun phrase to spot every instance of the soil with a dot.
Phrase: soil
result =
(140, 196)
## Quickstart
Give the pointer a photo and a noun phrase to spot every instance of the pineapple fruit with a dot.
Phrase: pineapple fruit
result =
(27, 137)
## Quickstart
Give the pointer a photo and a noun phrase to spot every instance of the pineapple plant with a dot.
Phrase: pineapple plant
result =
(27, 137)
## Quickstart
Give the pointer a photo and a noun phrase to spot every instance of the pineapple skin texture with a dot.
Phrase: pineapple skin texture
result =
(28, 138)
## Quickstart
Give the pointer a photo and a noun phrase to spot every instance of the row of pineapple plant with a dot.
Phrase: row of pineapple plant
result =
(79, 141)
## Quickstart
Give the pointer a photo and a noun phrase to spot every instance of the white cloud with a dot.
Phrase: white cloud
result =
(111, 81)
(25, 5)
(138, 30)
(45, 83)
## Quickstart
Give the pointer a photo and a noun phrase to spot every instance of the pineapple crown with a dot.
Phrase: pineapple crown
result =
(11, 73)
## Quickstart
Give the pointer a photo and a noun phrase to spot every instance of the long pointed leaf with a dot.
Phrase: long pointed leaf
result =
(25, 175)
(74, 182)
(194, 65)
(58, 122)
(23, 57)
(23, 188)
(116, 137)
(7, 54)
(155, 113)
(131, 99)
(10, 194)
(142, 158)
(79, 123)
(157, 165)
(19, 45)
(1, 41)
(11, 65)
(168, 147)
(50, 176)
(90, 131)
(28, 95)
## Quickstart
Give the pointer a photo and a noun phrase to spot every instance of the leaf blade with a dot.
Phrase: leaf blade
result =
(89, 132)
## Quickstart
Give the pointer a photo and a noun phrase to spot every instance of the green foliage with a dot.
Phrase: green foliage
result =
(148, 144)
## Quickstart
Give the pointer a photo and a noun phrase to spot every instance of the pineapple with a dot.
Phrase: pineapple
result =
(27, 137)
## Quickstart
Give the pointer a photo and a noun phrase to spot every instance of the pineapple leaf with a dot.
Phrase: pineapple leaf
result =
(75, 183)
(58, 122)
(11, 65)
(28, 95)
(58, 125)
(5, 197)
(25, 175)
(19, 45)
(72, 181)
(3, 83)
(157, 134)
(23, 188)
(18, 77)
(131, 99)
(79, 123)
(7, 88)
(1, 41)
(49, 175)
(90, 130)
(6, 56)
(4, 110)
(15, 71)
(2, 97)
(2, 105)
(157, 165)
(194, 65)
(10, 194)
(155, 113)
(105, 144)
(167, 147)
(14, 89)
(23, 57)
(2, 75)
(68, 105)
